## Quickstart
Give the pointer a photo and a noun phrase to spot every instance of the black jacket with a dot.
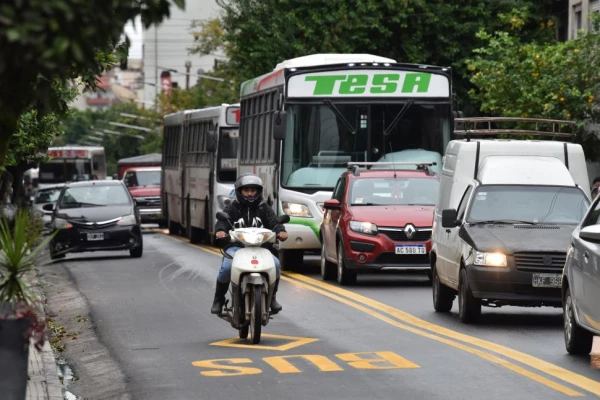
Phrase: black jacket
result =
(262, 216)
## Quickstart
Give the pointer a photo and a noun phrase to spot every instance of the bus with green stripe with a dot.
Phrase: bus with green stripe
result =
(303, 122)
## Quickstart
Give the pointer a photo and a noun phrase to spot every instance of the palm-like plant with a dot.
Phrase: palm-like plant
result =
(20, 253)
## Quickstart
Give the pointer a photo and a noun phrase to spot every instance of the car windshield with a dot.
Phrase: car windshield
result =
(394, 191)
(47, 195)
(94, 196)
(533, 204)
(142, 178)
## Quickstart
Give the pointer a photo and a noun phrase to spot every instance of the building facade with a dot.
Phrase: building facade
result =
(579, 12)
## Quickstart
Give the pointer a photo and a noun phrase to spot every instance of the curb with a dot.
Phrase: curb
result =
(43, 373)
(595, 353)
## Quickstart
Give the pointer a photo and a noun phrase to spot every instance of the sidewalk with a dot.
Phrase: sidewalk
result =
(43, 373)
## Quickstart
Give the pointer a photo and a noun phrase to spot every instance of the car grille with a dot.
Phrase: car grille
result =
(86, 225)
(402, 259)
(540, 262)
(148, 201)
(398, 234)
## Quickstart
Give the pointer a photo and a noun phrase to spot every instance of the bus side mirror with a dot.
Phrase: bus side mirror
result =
(211, 143)
(279, 125)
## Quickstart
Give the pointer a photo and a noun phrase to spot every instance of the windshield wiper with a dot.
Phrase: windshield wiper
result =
(340, 116)
(502, 221)
(398, 117)
(91, 205)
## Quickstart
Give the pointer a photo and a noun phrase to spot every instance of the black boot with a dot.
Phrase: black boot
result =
(275, 306)
(220, 293)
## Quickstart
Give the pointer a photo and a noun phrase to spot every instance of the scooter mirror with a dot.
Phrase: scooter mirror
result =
(223, 216)
(283, 219)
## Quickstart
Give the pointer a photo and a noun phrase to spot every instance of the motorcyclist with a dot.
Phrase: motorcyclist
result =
(247, 210)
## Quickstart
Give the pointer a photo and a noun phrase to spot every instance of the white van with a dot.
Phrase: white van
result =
(504, 217)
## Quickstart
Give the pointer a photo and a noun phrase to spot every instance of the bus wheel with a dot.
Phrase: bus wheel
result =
(291, 259)
(173, 228)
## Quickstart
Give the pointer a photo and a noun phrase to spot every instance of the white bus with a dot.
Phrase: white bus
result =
(302, 123)
(199, 168)
(72, 163)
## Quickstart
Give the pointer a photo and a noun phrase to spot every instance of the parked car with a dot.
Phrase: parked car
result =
(43, 196)
(503, 221)
(581, 284)
(378, 219)
(94, 216)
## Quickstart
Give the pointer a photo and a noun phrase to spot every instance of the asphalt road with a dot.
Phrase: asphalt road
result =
(380, 339)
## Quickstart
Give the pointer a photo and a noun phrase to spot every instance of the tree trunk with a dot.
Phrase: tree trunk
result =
(19, 198)
(8, 127)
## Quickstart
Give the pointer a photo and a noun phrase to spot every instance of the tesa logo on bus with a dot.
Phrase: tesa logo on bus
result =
(233, 116)
(67, 153)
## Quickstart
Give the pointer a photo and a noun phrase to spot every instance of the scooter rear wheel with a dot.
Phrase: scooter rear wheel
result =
(256, 314)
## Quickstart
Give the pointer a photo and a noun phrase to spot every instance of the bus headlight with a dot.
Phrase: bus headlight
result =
(296, 210)
(490, 259)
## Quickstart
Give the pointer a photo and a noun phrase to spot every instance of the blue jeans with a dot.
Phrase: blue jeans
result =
(225, 271)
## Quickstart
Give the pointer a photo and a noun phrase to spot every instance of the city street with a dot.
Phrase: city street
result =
(379, 339)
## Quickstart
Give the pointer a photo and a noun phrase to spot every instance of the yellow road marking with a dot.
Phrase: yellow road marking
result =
(546, 367)
(497, 360)
(283, 366)
(294, 341)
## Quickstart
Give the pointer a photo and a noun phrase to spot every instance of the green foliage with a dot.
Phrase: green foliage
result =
(550, 80)
(44, 41)
(19, 253)
(258, 34)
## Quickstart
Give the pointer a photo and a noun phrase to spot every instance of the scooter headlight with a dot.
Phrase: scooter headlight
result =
(252, 238)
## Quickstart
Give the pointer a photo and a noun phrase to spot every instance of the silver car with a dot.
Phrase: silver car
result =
(43, 196)
(581, 284)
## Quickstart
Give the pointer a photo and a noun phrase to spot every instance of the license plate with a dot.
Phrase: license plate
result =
(547, 280)
(95, 236)
(410, 249)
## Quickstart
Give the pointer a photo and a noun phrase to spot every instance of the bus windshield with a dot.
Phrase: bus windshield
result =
(323, 138)
(227, 156)
(65, 171)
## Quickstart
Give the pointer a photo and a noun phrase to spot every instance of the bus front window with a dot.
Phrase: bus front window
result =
(323, 138)
(227, 156)
(65, 171)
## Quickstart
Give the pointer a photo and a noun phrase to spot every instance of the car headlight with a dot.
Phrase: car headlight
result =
(490, 259)
(127, 220)
(224, 201)
(296, 210)
(363, 227)
(60, 223)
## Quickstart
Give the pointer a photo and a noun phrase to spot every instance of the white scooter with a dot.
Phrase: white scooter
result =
(253, 276)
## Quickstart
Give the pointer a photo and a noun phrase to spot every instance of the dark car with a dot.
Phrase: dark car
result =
(95, 216)
(378, 219)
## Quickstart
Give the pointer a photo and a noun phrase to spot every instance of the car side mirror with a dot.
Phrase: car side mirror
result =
(449, 218)
(590, 233)
(223, 216)
(279, 125)
(283, 219)
(211, 141)
(48, 207)
(332, 204)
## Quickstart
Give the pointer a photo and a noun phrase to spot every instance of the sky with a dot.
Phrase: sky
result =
(134, 31)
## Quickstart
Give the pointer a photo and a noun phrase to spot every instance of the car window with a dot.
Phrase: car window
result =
(394, 191)
(47, 195)
(97, 195)
(593, 217)
(142, 178)
(462, 207)
(338, 192)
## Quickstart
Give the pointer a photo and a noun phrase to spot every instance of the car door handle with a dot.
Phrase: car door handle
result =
(586, 256)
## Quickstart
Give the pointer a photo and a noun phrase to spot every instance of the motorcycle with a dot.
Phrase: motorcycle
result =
(253, 276)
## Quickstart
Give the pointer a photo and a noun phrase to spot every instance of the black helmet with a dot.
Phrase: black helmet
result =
(249, 181)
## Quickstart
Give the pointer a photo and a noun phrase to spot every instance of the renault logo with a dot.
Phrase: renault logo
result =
(409, 230)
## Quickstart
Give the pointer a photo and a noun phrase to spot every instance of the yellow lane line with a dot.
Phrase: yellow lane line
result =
(570, 377)
(311, 284)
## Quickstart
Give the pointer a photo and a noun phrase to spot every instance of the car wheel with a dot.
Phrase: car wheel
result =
(577, 340)
(469, 308)
(443, 296)
(327, 267)
(137, 251)
(344, 275)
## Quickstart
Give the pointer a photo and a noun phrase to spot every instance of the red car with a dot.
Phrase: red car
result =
(378, 219)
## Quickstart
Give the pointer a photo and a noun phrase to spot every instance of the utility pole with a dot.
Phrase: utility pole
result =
(188, 65)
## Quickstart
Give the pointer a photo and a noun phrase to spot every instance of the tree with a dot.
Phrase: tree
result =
(44, 41)
(550, 80)
(257, 34)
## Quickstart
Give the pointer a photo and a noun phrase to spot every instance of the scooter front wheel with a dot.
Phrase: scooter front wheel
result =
(243, 331)
(256, 314)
